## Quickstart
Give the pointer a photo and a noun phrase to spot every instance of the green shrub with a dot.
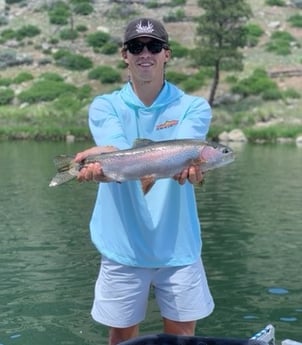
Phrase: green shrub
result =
(59, 13)
(177, 3)
(231, 79)
(97, 39)
(106, 74)
(291, 93)
(152, 4)
(198, 79)
(67, 102)
(280, 3)
(22, 77)
(109, 48)
(27, 31)
(5, 81)
(60, 54)
(77, 2)
(178, 50)
(273, 132)
(84, 92)
(81, 28)
(53, 40)
(83, 8)
(9, 2)
(51, 76)
(74, 62)
(175, 77)
(58, 19)
(283, 36)
(68, 34)
(3, 20)
(271, 94)
(6, 96)
(279, 47)
(252, 41)
(254, 31)
(122, 64)
(296, 20)
(175, 16)
(45, 90)
(240, 118)
(8, 34)
(71, 108)
(191, 84)
(203, 74)
(95, 73)
(280, 42)
(256, 84)
(120, 11)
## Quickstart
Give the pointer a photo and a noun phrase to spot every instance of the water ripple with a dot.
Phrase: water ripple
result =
(250, 215)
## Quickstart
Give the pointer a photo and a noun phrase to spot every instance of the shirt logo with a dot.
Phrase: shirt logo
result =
(167, 124)
(144, 29)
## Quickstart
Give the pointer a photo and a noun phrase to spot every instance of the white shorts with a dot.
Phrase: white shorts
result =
(122, 292)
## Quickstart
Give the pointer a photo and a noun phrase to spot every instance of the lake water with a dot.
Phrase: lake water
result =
(252, 235)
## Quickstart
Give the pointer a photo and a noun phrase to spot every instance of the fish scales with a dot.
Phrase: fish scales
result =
(156, 162)
(148, 161)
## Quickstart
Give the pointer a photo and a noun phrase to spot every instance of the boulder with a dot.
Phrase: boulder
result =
(274, 25)
(296, 3)
(299, 140)
(224, 136)
(236, 135)
(2, 6)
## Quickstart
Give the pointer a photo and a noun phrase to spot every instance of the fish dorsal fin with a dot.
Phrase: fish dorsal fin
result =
(142, 142)
(63, 162)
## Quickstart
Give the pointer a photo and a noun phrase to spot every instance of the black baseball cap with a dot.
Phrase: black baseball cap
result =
(146, 27)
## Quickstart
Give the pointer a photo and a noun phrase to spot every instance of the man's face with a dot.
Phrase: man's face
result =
(146, 63)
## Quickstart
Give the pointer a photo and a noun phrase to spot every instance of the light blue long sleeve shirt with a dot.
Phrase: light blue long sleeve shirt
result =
(161, 228)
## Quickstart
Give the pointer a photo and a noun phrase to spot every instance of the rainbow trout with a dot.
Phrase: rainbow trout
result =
(148, 161)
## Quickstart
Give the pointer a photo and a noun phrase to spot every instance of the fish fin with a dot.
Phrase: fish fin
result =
(147, 183)
(198, 161)
(63, 162)
(142, 142)
(60, 178)
(67, 170)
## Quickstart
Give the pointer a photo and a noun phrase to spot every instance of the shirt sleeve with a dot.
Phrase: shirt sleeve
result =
(105, 125)
(196, 120)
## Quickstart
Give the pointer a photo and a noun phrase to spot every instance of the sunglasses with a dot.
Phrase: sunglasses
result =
(154, 47)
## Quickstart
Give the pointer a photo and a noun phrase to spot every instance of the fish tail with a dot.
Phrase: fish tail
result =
(67, 170)
(63, 162)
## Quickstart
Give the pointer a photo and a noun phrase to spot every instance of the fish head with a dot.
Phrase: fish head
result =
(215, 155)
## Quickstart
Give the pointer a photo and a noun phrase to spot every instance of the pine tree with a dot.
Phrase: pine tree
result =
(220, 33)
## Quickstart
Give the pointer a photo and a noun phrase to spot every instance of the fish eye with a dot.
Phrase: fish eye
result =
(225, 150)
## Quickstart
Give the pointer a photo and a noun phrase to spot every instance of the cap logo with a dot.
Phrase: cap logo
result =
(144, 29)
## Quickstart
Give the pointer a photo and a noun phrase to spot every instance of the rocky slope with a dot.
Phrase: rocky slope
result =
(286, 70)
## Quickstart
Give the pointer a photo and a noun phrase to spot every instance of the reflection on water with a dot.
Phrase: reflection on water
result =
(252, 241)
(250, 212)
(47, 263)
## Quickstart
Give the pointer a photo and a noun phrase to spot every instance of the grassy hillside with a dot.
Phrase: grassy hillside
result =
(66, 113)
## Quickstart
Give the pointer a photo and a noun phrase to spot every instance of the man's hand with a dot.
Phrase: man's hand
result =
(92, 171)
(193, 174)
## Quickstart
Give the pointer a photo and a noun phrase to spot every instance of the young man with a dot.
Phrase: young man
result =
(153, 239)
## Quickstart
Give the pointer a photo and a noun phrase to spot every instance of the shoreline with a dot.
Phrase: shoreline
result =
(233, 136)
